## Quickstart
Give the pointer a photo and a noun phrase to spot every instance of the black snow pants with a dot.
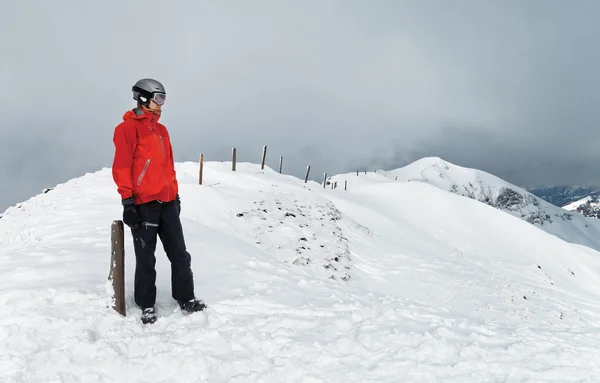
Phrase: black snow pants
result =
(160, 219)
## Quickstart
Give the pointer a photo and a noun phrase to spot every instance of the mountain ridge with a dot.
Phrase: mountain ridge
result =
(501, 194)
(427, 285)
(561, 195)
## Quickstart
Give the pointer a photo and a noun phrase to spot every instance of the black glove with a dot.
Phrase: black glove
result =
(130, 213)
(178, 204)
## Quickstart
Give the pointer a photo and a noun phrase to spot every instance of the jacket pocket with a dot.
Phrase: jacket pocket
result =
(143, 173)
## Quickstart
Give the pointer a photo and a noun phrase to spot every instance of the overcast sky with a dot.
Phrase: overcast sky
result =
(510, 87)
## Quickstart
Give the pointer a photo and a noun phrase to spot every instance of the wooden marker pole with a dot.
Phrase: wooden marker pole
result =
(117, 266)
(324, 180)
(264, 156)
(345, 185)
(307, 171)
(201, 166)
(280, 164)
(233, 159)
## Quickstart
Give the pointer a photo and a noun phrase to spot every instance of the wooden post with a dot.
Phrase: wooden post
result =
(346, 185)
(233, 160)
(201, 166)
(264, 156)
(280, 164)
(117, 266)
(307, 171)
(357, 172)
(325, 180)
(396, 178)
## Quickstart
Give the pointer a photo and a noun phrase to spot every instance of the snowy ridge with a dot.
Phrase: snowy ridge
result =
(388, 281)
(496, 192)
(574, 205)
(588, 206)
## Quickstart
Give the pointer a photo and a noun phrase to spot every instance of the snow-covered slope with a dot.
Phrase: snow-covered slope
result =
(388, 281)
(588, 206)
(574, 205)
(496, 192)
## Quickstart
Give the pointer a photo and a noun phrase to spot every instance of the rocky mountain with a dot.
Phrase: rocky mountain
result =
(588, 206)
(563, 194)
(500, 194)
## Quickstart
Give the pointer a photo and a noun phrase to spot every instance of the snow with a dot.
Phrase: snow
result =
(386, 281)
(492, 190)
(574, 205)
(588, 207)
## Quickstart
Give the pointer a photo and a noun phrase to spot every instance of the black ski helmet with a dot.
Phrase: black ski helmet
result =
(144, 90)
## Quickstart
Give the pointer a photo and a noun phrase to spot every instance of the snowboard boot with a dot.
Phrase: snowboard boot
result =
(191, 306)
(148, 315)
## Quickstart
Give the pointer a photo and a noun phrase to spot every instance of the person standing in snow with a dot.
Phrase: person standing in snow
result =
(144, 172)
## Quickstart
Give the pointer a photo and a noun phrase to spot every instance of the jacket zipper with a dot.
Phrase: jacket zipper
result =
(162, 169)
(141, 176)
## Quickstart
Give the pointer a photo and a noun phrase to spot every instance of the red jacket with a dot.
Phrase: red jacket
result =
(143, 164)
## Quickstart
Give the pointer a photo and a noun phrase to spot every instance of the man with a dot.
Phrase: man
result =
(144, 171)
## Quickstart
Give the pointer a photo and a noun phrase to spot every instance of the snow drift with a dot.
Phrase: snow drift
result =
(386, 281)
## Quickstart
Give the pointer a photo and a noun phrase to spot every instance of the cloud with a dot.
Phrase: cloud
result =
(337, 85)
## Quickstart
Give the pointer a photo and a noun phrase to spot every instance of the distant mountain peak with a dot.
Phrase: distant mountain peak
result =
(500, 194)
(562, 195)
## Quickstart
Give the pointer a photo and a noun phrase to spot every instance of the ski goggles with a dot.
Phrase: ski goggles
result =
(159, 98)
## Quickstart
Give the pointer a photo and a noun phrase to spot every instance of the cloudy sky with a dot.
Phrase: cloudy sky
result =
(510, 87)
